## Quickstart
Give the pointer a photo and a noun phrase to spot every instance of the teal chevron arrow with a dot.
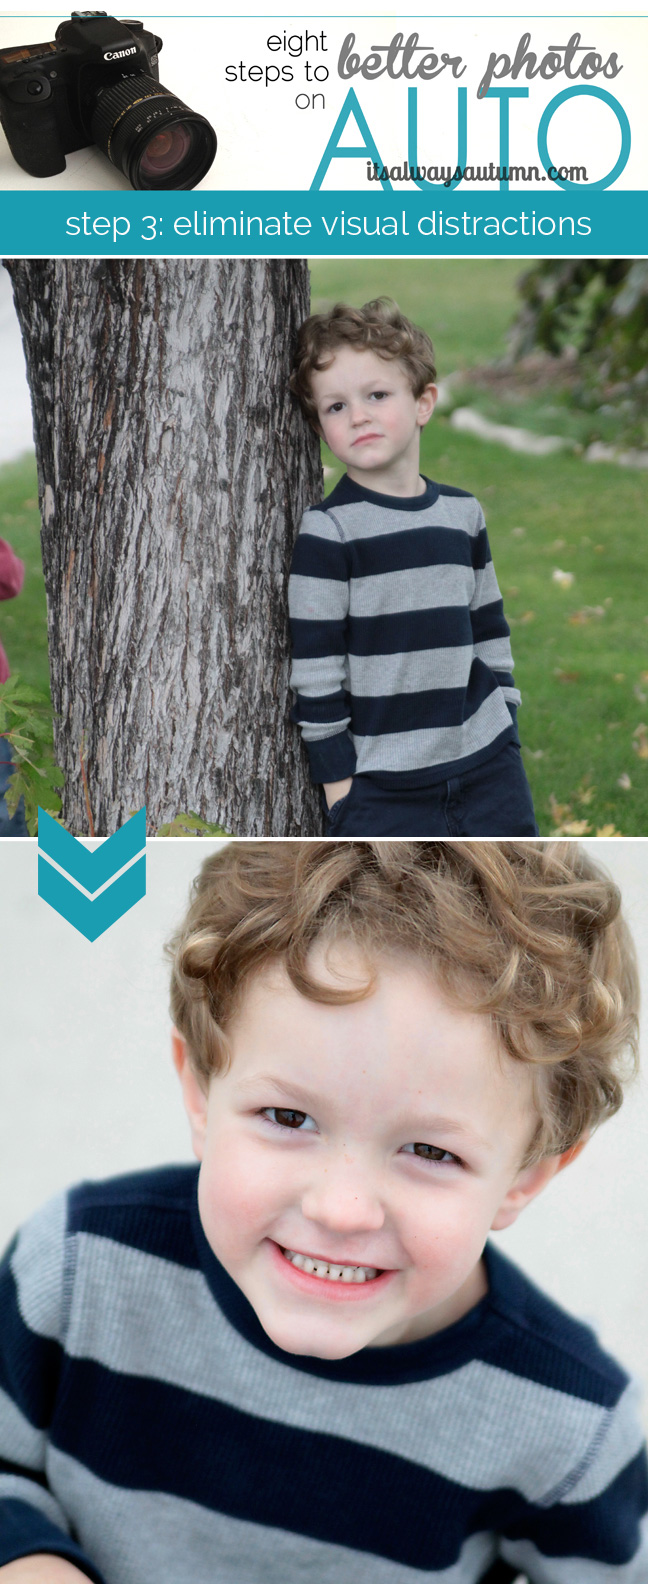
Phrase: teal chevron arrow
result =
(91, 916)
(91, 869)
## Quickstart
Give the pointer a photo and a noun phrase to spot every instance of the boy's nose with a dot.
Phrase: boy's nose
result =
(343, 1199)
(358, 413)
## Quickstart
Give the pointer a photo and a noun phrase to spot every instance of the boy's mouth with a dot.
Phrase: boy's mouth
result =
(327, 1271)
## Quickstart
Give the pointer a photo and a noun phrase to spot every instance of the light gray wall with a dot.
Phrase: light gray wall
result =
(86, 1086)
(15, 408)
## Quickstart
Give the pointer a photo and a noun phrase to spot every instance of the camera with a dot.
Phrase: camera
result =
(98, 82)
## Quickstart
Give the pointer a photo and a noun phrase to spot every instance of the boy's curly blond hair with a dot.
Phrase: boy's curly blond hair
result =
(379, 327)
(529, 933)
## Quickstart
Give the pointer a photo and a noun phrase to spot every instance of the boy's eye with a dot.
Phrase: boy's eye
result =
(336, 407)
(431, 1152)
(283, 1117)
(379, 395)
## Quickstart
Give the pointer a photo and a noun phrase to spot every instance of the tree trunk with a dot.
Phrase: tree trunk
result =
(173, 469)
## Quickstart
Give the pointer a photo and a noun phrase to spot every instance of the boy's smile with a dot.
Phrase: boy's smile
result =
(354, 1157)
(371, 419)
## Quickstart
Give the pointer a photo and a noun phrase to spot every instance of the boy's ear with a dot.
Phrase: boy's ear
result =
(530, 1182)
(193, 1093)
(426, 404)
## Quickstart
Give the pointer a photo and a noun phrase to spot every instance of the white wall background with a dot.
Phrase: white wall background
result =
(16, 435)
(87, 1088)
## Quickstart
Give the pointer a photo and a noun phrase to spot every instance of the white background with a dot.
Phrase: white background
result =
(87, 1088)
(16, 434)
(265, 141)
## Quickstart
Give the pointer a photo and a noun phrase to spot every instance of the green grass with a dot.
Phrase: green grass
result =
(23, 621)
(465, 305)
(578, 722)
(576, 714)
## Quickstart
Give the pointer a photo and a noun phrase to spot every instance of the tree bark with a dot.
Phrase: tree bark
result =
(173, 469)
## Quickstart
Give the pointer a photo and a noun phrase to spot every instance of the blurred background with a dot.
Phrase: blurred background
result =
(87, 1088)
(544, 416)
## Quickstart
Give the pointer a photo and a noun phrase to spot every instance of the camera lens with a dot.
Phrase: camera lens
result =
(166, 152)
(151, 136)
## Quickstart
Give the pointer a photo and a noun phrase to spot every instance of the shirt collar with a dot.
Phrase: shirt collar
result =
(348, 493)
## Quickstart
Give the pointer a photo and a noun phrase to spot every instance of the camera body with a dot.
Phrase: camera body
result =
(48, 92)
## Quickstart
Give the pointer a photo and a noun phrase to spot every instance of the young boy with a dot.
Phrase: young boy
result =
(301, 1363)
(401, 656)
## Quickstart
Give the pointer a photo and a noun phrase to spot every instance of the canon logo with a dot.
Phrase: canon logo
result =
(118, 54)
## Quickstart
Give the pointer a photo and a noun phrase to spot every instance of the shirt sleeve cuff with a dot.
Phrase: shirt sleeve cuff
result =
(332, 758)
(26, 1532)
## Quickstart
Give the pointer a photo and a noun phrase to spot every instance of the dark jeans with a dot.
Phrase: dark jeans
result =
(16, 826)
(494, 799)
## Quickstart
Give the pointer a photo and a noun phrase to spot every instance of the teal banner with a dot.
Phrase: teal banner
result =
(436, 222)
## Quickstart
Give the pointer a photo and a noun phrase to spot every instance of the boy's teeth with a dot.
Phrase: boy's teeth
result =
(323, 1269)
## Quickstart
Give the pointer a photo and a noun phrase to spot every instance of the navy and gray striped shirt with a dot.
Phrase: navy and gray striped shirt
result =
(401, 657)
(153, 1434)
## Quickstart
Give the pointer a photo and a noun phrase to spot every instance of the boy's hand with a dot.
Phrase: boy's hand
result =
(334, 790)
(41, 1569)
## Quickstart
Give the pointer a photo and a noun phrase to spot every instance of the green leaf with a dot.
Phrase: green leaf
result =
(26, 722)
(191, 825)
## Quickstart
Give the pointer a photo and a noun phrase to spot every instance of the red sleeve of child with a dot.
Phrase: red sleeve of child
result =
(12, 572)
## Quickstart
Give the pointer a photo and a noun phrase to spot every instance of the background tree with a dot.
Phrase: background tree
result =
(173, 469)
(599, 308)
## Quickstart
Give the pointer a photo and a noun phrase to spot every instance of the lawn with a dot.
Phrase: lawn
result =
(466, 305)
(581, 651)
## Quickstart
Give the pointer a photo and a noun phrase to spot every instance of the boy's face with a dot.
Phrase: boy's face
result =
(383, 1135)
(369, 416)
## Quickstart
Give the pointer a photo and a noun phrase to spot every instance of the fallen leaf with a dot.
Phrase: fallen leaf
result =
(624, 782)
(644, 676)
(598, 549)
(559, 544)
(608, 830)
(639, 693)
(512, 593)
(619, 676)
(516, 533)
(528, 616)
(585, 795)
(573, 828)
(566, 676)
(534, 753)
(559, 811)
(563, 579)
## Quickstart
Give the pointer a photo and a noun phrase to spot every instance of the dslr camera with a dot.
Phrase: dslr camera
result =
(98, 82)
